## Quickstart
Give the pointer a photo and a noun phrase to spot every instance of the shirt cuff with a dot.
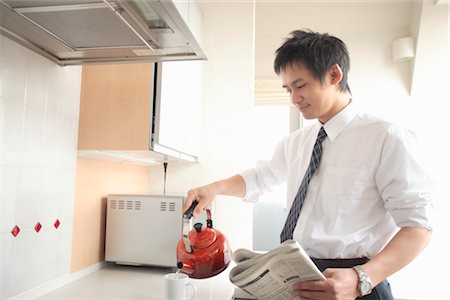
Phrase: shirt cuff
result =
(251, 186)
(414, 217)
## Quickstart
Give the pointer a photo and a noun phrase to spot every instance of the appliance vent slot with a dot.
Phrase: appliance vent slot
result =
(113, 204)
(121, 204)
(125, 204)
(137, 205)
(172, 206)
(129, 204)
(163, 206)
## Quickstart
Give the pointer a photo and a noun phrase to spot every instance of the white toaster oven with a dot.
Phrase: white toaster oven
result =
(143, 229)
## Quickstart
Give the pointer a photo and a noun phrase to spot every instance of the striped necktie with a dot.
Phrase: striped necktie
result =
(294, 213)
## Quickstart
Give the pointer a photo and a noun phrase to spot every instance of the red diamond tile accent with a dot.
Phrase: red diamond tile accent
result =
(37, 227)
(15, 231)
(56, 224)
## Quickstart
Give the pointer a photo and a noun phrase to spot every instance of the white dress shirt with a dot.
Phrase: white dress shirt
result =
(369, 183)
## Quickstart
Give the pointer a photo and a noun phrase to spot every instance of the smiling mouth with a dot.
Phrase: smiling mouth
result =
(302, 107)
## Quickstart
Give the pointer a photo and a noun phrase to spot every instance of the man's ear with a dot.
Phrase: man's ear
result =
(335, 74)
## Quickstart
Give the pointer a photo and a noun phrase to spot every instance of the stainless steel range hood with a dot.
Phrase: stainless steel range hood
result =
(72, 32)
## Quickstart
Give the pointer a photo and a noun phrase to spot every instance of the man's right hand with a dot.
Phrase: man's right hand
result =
(204, 195)
(233, 186)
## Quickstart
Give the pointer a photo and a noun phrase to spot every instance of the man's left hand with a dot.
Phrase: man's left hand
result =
(340, 284)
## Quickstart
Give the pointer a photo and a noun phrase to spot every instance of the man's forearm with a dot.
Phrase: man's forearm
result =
(232, 186)
(400, 251)
(204, 195)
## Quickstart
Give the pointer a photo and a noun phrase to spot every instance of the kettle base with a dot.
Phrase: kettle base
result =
(209, 275)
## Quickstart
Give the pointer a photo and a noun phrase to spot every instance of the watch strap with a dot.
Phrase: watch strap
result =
(365, 285)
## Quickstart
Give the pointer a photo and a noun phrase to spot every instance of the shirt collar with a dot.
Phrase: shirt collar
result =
(337, 124)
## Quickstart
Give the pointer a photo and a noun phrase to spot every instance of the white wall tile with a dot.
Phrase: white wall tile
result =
(24, 260)
(47, 207)
(53, 135)
(55, 91)
(48, 204)
(33, 137)
(12, 131)
(31, 179)
(1, 71)
(64, 206)
(50, 179)
(27, 205)
(64, 248)
(72, 91)
(9, 184)
(37, 82)
(66, 201)
(39, 108)
(69, 142)
(6, 263)
(13, 84)
(13, 70)
(45, 252)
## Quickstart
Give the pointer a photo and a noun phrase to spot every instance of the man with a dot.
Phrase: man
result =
(357, 193)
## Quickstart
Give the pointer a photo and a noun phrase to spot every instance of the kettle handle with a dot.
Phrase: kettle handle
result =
(187, 224)
(190, 211)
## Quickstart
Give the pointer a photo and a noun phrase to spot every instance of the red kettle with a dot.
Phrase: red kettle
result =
(202, 252)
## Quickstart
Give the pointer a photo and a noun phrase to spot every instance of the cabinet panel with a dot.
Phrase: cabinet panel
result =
(115, 108)
(178, 106)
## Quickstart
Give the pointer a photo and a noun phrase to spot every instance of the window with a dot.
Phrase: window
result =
(272, 120)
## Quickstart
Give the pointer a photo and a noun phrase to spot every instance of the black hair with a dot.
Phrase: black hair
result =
(318, 51)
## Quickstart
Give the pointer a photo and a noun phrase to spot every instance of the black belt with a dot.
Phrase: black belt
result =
(323, 264)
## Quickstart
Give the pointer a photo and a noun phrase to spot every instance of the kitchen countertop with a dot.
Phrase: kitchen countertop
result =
(129, 282)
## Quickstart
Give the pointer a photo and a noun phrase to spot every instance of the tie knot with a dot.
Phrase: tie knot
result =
(322, 135)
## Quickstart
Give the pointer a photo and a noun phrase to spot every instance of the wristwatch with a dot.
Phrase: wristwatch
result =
(365, 285)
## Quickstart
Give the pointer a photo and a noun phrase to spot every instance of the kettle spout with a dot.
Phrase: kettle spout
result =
(186, 267)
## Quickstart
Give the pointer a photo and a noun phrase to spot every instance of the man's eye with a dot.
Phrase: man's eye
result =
(299, 86)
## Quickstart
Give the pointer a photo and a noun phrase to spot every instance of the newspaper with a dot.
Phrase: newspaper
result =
(271, 275)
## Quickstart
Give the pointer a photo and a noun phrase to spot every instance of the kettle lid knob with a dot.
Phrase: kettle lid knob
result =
(198, 227)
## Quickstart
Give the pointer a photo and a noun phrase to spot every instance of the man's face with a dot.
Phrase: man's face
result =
(313, 98)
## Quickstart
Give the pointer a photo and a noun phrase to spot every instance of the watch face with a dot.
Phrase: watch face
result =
(366, 287)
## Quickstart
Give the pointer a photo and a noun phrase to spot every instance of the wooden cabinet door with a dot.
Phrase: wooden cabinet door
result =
(116, 107)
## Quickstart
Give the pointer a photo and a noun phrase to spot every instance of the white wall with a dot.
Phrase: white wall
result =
(380, 86)
(227, 103)
(428, 111)
(39, 104)
(39, 114)
(414, 94)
